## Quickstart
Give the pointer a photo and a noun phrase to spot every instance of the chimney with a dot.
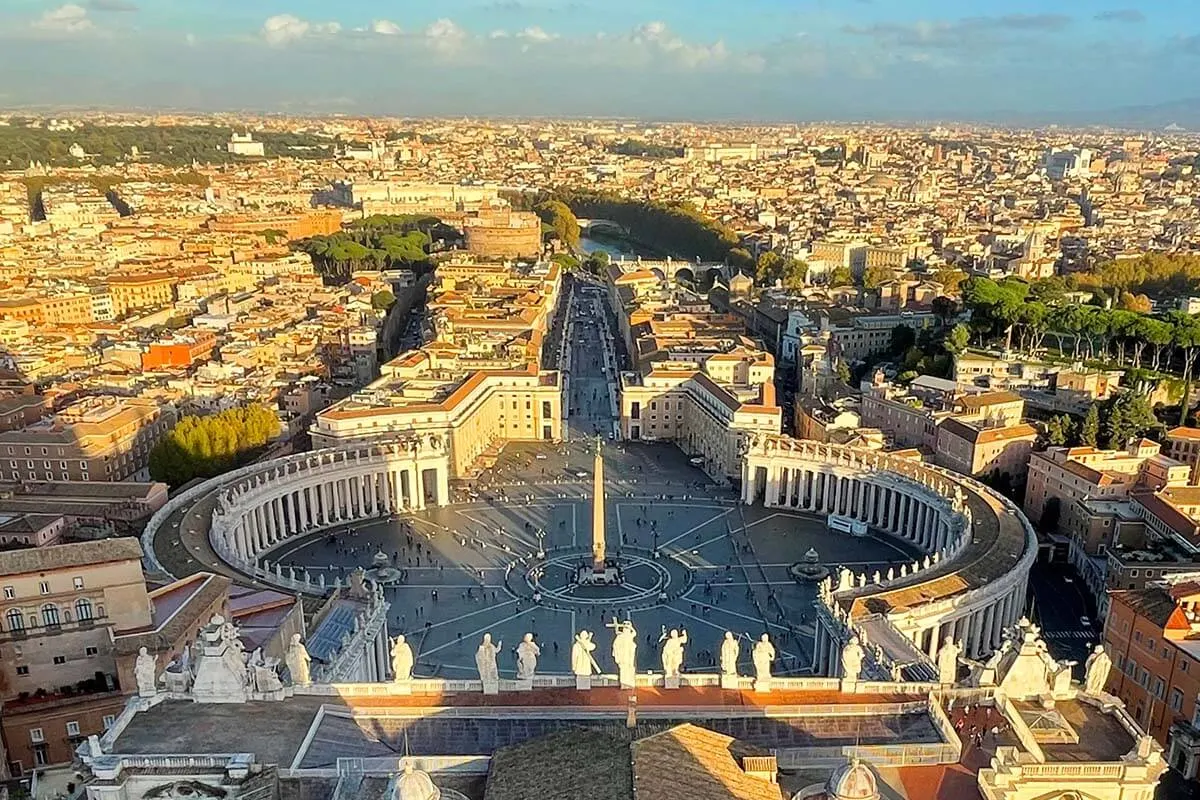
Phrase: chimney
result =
(764, 767)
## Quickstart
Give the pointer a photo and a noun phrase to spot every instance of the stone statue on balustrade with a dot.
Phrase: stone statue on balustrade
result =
(624, 652)
(298, 662)
(852, 660)
(672, 653)
(947, 662)
(527, 656)
(402, 660)
(763, 655)
(1097, 667)
(145, 673)
(485, 662)
(358, 587)
(583, 664)
(730, 650)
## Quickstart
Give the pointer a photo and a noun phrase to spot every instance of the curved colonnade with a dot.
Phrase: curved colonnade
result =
(258, 507)
(969, 587)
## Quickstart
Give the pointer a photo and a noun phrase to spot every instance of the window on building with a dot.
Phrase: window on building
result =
(1176, 700)
(90, 651)
(44, 586)
(36, 735)
(23, 669)
(1159, 688)
(107, 720)
(14, 620)
(58, 660)
(83, 609)
(77, 581)
(50, 615)
(9, 593)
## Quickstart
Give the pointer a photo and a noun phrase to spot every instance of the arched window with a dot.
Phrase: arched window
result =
(15, 621)
(83, 609)
(50, 614)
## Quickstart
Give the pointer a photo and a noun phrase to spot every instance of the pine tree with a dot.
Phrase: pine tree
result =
(1089, 432)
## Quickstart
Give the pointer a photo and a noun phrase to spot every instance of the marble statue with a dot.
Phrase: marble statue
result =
(852, 660)
(402, 659)
(672, 653)
(527, 656)
(485, 660)
(624, 652)
(730, 650)
(298, 660)
(947, 662)
(144, 672)
(582, 662)
(1097, 667)
(358, 588)
(764, 655)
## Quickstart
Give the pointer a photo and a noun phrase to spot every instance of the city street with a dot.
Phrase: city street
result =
(1059, 603)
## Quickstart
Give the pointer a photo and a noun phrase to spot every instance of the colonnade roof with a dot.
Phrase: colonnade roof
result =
(997, 544)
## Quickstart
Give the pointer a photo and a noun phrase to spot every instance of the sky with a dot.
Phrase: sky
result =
(803, 60)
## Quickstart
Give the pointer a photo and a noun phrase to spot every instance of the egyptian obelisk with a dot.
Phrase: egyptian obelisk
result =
(598, 511)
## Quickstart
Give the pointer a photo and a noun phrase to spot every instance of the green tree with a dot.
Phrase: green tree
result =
(957, 339)
(950, 278)
(562, 221)
(739, 257)
(768, 268)
(841, 276)
(1185, 335)
(1127, 416)
(566, 261)
(843, 371)
(902, 339)
(202, 447)
(876, 275)
(1089, 431)
(795, 274)
(382, 300)
(1060, 430)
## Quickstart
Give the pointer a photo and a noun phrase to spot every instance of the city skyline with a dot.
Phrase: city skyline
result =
(1028, 61)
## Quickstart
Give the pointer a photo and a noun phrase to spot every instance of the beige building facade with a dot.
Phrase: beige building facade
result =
(94, 439)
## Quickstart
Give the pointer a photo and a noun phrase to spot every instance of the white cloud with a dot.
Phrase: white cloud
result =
(536, 34)
(385, 27)
(656, 39)
(445, 35)
(498, 34)
(69, 18)
(283, 29)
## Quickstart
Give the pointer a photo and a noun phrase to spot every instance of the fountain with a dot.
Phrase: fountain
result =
(809, 570)
(382, 572)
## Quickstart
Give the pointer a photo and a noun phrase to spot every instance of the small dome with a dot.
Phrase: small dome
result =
(853, 781)
(413, 784)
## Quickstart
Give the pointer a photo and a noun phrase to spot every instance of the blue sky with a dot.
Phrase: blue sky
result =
(701, 59)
